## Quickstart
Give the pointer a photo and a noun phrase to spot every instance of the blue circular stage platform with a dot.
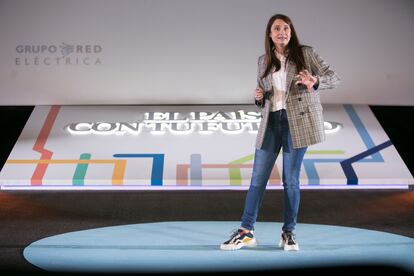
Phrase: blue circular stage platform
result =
(194, 246)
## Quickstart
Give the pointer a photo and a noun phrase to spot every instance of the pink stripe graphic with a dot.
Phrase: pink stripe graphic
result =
(40, 170)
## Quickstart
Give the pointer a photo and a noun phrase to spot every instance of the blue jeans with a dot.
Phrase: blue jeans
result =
(277, 136)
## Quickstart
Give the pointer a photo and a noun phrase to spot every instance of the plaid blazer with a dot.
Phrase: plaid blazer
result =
(303, 108)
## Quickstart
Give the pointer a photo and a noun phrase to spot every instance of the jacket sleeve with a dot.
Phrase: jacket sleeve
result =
(327, 77)
(260, 84)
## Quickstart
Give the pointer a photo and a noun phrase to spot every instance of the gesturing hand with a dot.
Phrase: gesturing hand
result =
(305, 78)
(258, 95)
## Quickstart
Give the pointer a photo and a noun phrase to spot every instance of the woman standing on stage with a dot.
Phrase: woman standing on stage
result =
(290, 76)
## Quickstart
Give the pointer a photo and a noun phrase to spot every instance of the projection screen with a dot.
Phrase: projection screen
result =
(84, 52)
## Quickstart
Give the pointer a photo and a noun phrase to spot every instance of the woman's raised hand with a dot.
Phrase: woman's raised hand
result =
(305, 78)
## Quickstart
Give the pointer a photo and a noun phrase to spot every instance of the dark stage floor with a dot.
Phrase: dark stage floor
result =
(28, 216)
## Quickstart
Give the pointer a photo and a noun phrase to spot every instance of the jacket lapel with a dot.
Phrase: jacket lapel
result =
(269, 79)
(291, 72)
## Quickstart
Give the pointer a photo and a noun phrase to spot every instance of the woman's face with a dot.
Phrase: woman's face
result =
(280, 33)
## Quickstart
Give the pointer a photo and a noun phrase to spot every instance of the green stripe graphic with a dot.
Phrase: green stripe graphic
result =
(80, 172)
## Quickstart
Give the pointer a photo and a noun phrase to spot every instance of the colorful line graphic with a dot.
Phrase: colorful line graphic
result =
(192, 173)
(117, 175)
(39, 146)
(234, 171)
(351, 177)
(157, 165)
(362, 131)
(182, 171)
(195, 170)
(80, 171)
(309, 164)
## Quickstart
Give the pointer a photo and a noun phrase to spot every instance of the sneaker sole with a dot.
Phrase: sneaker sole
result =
(287, 247)
(231, 247)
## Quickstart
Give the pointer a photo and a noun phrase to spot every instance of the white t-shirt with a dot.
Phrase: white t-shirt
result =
(279, 86)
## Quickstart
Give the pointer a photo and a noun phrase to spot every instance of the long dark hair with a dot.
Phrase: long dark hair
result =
(294, 48)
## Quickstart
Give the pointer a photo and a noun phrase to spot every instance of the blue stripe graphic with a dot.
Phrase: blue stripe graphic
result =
(195, 170)
(351, 177)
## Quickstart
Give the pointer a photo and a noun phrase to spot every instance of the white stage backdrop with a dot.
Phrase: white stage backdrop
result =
(82, 52)
(190, 147)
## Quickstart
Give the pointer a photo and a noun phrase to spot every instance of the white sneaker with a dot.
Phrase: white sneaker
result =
(238, 240)
(288, 241)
